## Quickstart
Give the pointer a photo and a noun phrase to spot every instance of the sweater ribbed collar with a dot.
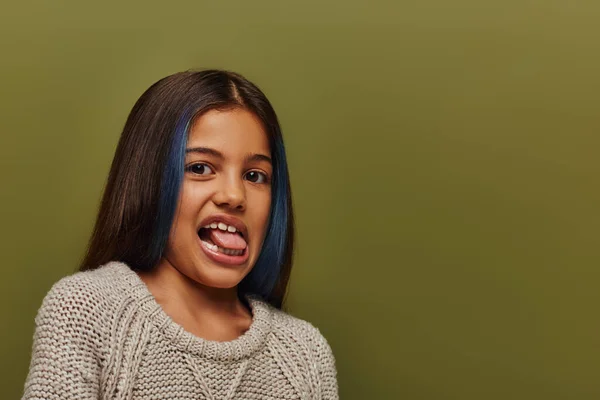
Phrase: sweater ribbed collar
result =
(246, 345)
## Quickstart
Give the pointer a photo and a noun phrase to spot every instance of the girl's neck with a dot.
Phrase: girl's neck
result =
(211, 313)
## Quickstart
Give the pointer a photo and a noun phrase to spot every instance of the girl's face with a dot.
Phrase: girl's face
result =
(225, 199)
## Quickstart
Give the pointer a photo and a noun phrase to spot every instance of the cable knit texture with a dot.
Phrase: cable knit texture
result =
(101, 335)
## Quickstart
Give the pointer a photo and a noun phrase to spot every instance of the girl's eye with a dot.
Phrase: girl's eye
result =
(256, 177)
(199, 169)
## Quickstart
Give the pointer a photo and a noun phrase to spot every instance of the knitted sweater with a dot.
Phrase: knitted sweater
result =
(101, 335)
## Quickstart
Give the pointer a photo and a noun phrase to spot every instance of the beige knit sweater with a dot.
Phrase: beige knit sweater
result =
(101, 335)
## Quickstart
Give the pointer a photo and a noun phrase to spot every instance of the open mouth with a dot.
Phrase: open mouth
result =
(222, 238)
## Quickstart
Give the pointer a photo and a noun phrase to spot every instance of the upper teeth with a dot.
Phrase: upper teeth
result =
(221, 226)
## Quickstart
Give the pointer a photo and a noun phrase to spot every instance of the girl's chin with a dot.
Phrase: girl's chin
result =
(218, 278)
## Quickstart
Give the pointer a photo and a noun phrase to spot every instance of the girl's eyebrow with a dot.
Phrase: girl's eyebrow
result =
(204, 150)
(258, 157)
(249, 158)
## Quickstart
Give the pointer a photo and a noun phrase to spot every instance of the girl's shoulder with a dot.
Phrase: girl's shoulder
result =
(85, 295)
(302, 343)
(297, 331)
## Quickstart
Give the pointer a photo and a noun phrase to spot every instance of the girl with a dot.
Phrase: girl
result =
(180, 292)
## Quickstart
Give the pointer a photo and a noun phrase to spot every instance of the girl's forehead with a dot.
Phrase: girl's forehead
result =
(229, 131)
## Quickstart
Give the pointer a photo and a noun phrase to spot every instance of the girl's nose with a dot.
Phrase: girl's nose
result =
(231, 194)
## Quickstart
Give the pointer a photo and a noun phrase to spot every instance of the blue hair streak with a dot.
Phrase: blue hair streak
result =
(263, 277)
(170, 187)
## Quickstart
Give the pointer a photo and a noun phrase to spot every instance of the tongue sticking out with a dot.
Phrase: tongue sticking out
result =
(227, 240)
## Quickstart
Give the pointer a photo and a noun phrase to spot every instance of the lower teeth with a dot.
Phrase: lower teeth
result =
(229, 252)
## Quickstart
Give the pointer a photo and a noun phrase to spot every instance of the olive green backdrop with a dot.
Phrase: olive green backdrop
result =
(444, 165)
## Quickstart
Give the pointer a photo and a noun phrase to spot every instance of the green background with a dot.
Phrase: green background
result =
(443, 158)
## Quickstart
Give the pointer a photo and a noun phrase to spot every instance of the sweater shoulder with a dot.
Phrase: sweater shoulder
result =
(297, 335)
(82, 295)
(70, 342)
(297, 329)
(285, 320)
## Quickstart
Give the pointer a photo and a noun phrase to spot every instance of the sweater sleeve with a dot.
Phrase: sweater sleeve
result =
(65, 359)
(327, 369)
